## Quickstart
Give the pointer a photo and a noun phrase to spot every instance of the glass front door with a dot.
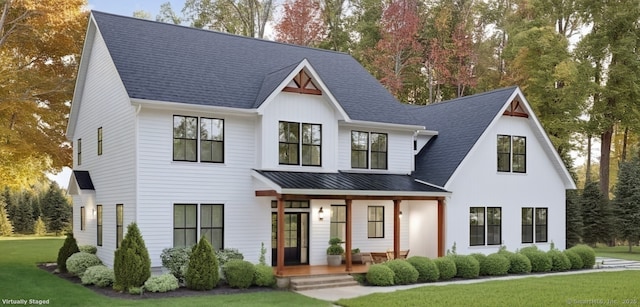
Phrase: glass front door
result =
(296, 238)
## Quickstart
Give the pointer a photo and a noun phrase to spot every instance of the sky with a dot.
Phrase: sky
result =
(127, 7)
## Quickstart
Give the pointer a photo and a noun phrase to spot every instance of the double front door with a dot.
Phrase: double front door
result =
(296, 238)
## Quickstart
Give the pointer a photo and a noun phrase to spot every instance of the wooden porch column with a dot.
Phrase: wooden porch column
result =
(280, 234)
(440, 227)
(347, 240)
(396, 228)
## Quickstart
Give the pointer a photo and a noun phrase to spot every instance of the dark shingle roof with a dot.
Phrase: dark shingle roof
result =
(459, 122)
(165, 62)
(344, 181)
(84, 180)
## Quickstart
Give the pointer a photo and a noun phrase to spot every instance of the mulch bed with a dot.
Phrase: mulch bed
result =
(222, 288)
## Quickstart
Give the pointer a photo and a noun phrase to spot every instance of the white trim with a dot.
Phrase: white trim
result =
(427, 132)
(430, 184)
(266, 181)
(176, 106)
(391, 194)
(387, 126)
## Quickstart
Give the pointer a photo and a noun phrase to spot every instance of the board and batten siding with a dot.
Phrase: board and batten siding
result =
(540, 186)
(164, 182)
(399, 155)
(105, 103)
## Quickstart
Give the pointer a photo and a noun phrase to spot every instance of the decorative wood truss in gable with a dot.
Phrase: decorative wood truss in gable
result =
(302, 84)
(516, 109)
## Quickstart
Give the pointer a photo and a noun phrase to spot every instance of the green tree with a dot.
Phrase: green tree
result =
(40, 228)
(57, 209)
(202, 272)
(627, 202)
(596, 215)
(333, 13)
(168, 15)
(242, 17)
(6, 228)
(574, 219)
(23, 219)
(69, 247)
(131, 263)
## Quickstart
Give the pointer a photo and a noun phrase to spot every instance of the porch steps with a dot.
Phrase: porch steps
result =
(321, 282)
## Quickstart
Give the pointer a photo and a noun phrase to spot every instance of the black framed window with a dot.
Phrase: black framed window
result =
(100, 141)
(185, 220)
(379, 148)
(476, 226)
(289, 142)
(211, 140)
(311, 144)
(82, 218)
(541, 224)
(494, 226)
(99, 225)
(519, 154)
(375, 222)
(504, 153)
(119, 223)
(79, 145)
(212, 224)
(359, 149)
(291, 204)
(185, 136)
(338, 228)
(512, 154)
(527, 225)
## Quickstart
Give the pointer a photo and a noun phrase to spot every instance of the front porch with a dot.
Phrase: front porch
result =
(314, 270)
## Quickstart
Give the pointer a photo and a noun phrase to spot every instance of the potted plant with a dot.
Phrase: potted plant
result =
(334, 252)
(356, 256)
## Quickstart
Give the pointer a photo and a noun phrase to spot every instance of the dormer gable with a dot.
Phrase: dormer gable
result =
(302, 84)
(516, 108)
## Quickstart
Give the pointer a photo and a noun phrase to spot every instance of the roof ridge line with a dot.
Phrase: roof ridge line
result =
(470, 96)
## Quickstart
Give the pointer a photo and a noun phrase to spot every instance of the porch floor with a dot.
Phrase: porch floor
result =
(313, 270)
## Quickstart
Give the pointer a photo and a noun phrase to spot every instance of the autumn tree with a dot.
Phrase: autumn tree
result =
(301, 23)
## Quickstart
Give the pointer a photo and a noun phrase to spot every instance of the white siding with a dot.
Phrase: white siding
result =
(478, 184)
(87, 200)
(423, 235)
(105, 104)
(399, 155)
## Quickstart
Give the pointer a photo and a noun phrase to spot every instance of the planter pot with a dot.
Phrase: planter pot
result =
(334, 260)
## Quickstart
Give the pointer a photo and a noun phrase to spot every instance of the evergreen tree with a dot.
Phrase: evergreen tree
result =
(574, 219)
(23, 219)
(11, 206)
(57, 210)
(6, 228)
(40, 228)
(627, 202)
(202, 272)
(596, 215)
(69, 248)
(131, 264)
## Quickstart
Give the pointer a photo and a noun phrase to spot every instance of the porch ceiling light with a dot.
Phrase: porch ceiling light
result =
(321, 214)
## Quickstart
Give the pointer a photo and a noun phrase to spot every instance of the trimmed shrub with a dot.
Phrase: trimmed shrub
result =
(224, 255)
(69, 247)
(176, 259)
(239, 273)
(98, 275)
(202, 271)
(79, 262)
(427, 270)
(480, 257)
(403, 272)
(574, 258)
(466, 266)
(161, 283)
(136, 290)
(380, 275)
(131, 263)
(559, 261)
(263, 276)
(494, 265)
(88, 249)
(446, 267)
(540, 261)
(587, 254)
(518, 263)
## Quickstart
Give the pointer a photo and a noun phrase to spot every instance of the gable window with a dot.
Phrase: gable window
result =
(185, 135)
(99, 225)
(289, 135)
(363, 151)
(359, 149)
(185, 219)
(79, 159)
(211, 140)
(290, 143)
(338, 227)
(378, 150)
(375, 222)
(494, 226)
(119, 222)
(82, 218)
(100, 141)
(212, 224)
(512, 154)
(476, 226)
(534, 225)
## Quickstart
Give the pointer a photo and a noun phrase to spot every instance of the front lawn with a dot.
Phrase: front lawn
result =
(620, 252)
(604, 288)
(20, 278)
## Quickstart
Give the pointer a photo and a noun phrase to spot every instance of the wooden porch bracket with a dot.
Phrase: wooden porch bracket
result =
(440, 227)
(280, 241)
(347, 244)
(396, 228)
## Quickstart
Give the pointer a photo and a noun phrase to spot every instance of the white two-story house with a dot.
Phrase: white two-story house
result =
(192, 133)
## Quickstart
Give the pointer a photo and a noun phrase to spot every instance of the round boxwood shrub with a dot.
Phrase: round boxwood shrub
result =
(202, 271)
(162, 283)
(98, 275)
(559, 261)
(403, 272)
(518, 263)
(574, 258)
(78, 263)
(480, 257)
(224, 255)
(88, 249)
(540, 261)
(494, 265)
(69, 247)
(176, 259)
(446, 267)
(263, 276)
(380, 275)
(427, 270)
(466, 266)
(587, 254)
(239, 273)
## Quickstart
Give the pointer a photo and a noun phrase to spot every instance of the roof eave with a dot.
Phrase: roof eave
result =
(167, 105)
(390, 194)
(388, 126)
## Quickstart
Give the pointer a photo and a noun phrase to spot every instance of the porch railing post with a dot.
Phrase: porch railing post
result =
(396, 228)
(280, 241)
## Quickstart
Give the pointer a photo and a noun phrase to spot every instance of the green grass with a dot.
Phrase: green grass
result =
(20, 278)
(621, 252)
(549, 290)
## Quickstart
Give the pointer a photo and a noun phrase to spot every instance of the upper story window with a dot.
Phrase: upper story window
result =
(367, 147)
(187, 131)
(290, 144)
(512, 154)
(79, 147)
(100, 141)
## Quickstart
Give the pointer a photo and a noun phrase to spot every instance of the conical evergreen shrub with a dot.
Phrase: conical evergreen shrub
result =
(202, 272)
(69, 247)
(131, 264)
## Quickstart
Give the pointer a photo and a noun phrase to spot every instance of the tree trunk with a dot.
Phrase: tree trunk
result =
(605, 158)
(587, 178)
(624, 144)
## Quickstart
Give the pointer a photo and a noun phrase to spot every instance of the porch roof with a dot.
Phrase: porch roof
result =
(346, 184)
